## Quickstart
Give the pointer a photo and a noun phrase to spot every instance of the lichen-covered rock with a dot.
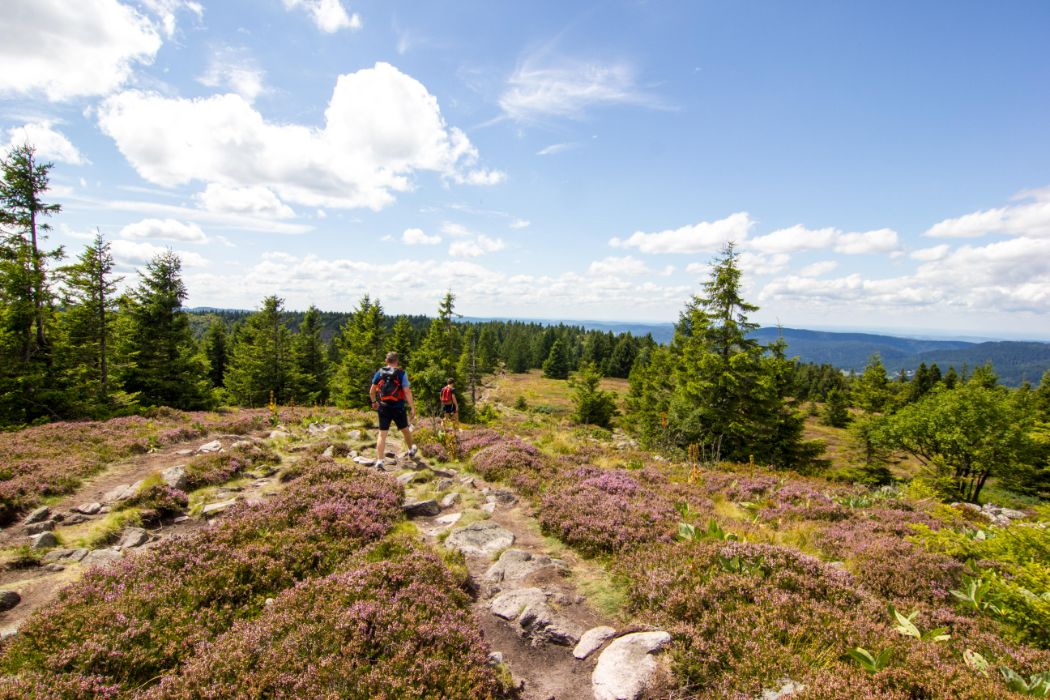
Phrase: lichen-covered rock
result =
(627, 666)
(516, 564)
(592, 640)
(510, 604)
(482, 538)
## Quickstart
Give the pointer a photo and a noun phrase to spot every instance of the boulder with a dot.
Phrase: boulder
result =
(416, 509)
(450, 499)
(133, 537)
(504, 496)
(483, 538)
(489, 508)
(279, 434)
(787, 689)
(37, 515)
(101, 557)
(510, 604)
(43, 540)
(407, 478)
(444, 484)
(542, 624)
(592, 640)
(176, 477)
(37, 528)
(218, 507)
(65, 555)
(516, 564)
(88, 508)
(119, 493)
(8, 600)
(447, 473)
(208, 447)
(329, 451)
(627, 666)
(448, 519)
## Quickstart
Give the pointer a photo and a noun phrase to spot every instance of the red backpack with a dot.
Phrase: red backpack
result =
(389, 383)
(446, 395)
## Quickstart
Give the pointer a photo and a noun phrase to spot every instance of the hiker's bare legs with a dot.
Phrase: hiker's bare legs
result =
(381, 446)
(407, 434)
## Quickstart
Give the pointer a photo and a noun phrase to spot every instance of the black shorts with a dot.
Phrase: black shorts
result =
(395, 413)
(448, 408)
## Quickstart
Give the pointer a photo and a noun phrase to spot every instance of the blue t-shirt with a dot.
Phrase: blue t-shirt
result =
(404, 384)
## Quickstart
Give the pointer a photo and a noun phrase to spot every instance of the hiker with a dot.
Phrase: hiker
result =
(449, 404)
(388, 394)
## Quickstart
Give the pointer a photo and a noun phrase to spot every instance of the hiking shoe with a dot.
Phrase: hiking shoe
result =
(378, 464)
(412, 451)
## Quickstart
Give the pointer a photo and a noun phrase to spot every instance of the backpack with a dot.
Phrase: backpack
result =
(389, 383)
(446, 395)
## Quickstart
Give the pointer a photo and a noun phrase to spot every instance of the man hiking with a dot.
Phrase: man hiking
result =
(449, 404)
(388, 394)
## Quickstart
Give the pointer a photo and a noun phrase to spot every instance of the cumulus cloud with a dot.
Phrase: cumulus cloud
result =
(381, 126)
(545, 86)
(1029, 218)
(455, 230)
(818, 269)
(328, 15)
(475, 247)
(254, 201)
(703, 237)
(934, 253)
(622, 267)
(883, 240)
(758, 264)
(50, 143)
(165, 229)
(63, 50)
(416, 236)
(132, 254)
(794, 239)
(233, 69)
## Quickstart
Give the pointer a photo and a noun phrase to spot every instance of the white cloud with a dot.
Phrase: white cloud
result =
(165, 229)
(254, 201)
(329, 15)
(519, 223)
(818, 268)
(883, 240)
(233, 69)
(165, 11)
(620, 267)
(475, 247)
(415, 236)
(480, 176)
(50, 144)
(794, 239)
(1031, 218)
(704, 237)
(935, 253)
(758, 264)
(64, 50)
(381, 126)
(556, 148)
(544, 86)
(132, 254)
(455, 230)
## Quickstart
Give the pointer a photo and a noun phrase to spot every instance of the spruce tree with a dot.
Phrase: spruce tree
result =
(1041, 400)
(361, 349)
(261, 363)
(216, 349)
(402, 340)
(836, 413)
(593, 406)
(436, 359)
(164, 366)
(556, 366)
(871, 391)
(622, 357)
(311, 360)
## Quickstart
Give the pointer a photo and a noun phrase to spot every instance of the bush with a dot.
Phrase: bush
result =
(218, 468)
(593, 406)
(501, 461)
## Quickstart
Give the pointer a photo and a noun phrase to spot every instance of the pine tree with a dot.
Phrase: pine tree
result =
(1041, 400)
(216, 349)
(488, 350)
(164, 366)
(436, 359)
(951, 378)
(311, 360)
(556, 366)
(90, 302)
(592, 405)
(261, 362)
(402, 340)
(871, 391)
(836, 413)
(361, 349)
(622, 357)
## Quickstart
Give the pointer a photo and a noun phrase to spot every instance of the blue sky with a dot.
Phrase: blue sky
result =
(878, 164)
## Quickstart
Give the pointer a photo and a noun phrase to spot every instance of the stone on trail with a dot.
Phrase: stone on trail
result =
(450, 500)
(184, 453)
(627, 666)
(176, 477)
(592, 640)
(489, 508)
(407, 478)
(447, 473)
(65, 555)
(8, 600)
(133, 537)
(37, 528)
(38, 515)
(43, 540)
(444, 484)
(213, 446)
(542, 624)
(510, 604)
(216, 508)
(121, 493)
(448, 519)
(101, 557)
(88, 508)
(278, 434)
(482, 538)
(354, 435)
(329, 451)
(504, 496)
(415, 509)
(787, 689)
(516, 564)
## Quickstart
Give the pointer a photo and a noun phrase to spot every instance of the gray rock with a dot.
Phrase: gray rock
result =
(65, 555)
(592, 640)
(175, 477)
(450, 499)
(489, 508)
(37, 528)
(54, 567)
(504, 496)
(279, 434)
(448, 519)
(448, 473)
(213, 446)
(468, 481)
(354, 435)
(363, 461)
(118, 493)
(77, 518)
(787, 689)
(88, 508)
(241, 445)
(510, 604)
(495, 658)
(8, 600)
(516, 564)
(444, 484)
(101, 557)
(133, 537)
(543, 624)
(43, 540)
(427, 508)
(216, 508)
(482, 538)
(39, 514)
(329, 451)
(407, 478)
(183, 453)
(626, 667)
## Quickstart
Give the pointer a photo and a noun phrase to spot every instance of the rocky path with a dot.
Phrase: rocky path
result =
(554, 643)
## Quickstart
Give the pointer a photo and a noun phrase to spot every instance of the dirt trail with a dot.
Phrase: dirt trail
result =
(545, 669)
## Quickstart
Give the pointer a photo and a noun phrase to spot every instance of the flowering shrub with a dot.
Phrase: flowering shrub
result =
(606, 510)
(159, 501)
(502, 460)
(477, 439)
(435, 450)
(397, 627)
(220, 467)
(142, 616)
